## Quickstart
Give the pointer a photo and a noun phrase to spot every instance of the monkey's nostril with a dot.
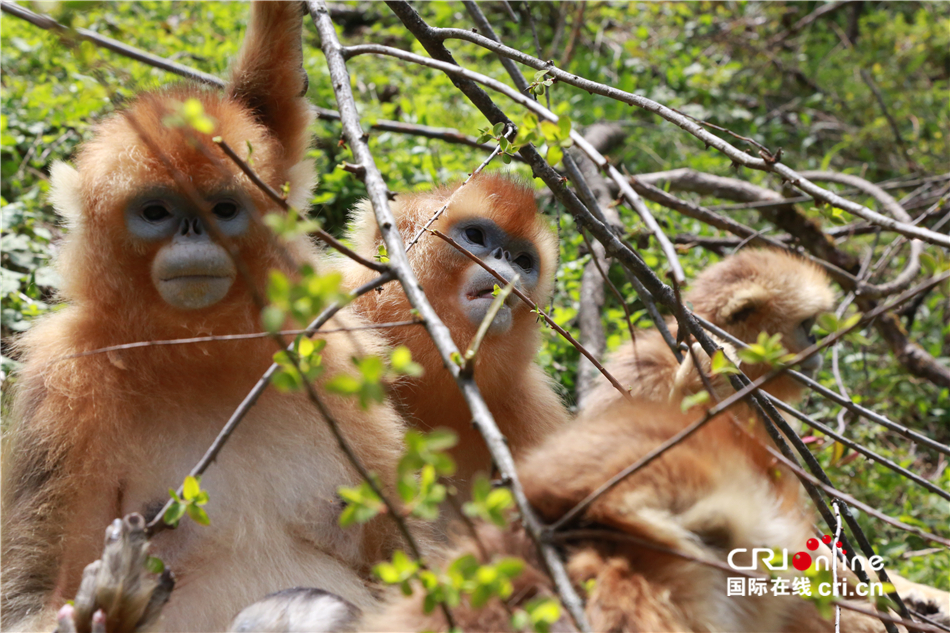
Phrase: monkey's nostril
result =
(507, 256)
(498, 253)
(185, 226)
(196, 223)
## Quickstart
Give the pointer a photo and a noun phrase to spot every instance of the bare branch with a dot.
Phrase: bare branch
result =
(441, 337)
(235, 337)
(276, 197)
(736, 155)
(536, 308)
(157, 524)
(49, 24)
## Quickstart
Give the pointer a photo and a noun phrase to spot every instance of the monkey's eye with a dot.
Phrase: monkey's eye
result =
(225, 210)
(155, 212)
(525, 262)
(475, 236)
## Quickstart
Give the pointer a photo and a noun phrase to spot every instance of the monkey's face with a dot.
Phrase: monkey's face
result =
(512, 257)
(190, 270)
(768, 291)
(157, 212)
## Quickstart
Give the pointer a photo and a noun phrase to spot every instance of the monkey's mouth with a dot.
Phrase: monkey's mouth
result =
(486, 294)
(193, 291)
(195, 278)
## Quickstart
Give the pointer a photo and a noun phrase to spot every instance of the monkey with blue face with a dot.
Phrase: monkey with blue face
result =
(496, 219)
(99, 436)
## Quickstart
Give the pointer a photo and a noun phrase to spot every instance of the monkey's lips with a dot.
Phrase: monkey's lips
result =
(192, 276)
(195, 291)
(477, 299)
(487, 294)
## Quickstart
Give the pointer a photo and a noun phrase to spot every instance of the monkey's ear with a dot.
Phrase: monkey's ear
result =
(743, 303)
(64, 192)
(268, 76)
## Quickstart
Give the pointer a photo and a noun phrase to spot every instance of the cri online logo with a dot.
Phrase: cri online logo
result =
(802, 560)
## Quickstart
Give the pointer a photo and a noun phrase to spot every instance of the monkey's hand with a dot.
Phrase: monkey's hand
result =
(117, 593)
(688, 381)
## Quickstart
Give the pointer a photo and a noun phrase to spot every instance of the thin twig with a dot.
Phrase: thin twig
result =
(734, 398)
(444, 207)
(440, 334)
(497, 302)
(157, 524)
(540, 312)
(736, 155)
(235, 337)
(282, 203)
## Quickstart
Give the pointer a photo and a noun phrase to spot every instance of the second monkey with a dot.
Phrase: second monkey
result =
(497, 220)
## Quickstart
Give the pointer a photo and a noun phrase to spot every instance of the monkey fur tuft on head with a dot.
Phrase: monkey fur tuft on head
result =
(105, 435)
(747, 293)
(495, 218)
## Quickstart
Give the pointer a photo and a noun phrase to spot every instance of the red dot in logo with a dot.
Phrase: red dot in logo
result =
(812, 544)
(801, 561)
(826, 539)
(838, 544)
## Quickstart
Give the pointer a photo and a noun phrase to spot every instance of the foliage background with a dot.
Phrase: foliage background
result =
(715, 61)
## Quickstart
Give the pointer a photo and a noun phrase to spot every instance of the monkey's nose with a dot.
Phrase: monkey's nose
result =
(190, 226)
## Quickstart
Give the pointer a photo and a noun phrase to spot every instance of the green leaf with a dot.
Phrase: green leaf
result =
(401, 362)
(550, 130)
(498, 128)
(564, 126)
(198, 515)
(154, 565)
(174, 513)
(694, 400)
(719, 364)
(191, 488)
(343, 384)
(287, 380)
(510, 567)
(441, 439)
(305, 347)
(272, 318)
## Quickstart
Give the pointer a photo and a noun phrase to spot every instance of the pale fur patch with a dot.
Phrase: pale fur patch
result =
(65, 194)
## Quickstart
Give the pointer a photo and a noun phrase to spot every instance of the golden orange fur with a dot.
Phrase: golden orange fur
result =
(702, 498)
(101, 436)
(515, 388)
(747, 293)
